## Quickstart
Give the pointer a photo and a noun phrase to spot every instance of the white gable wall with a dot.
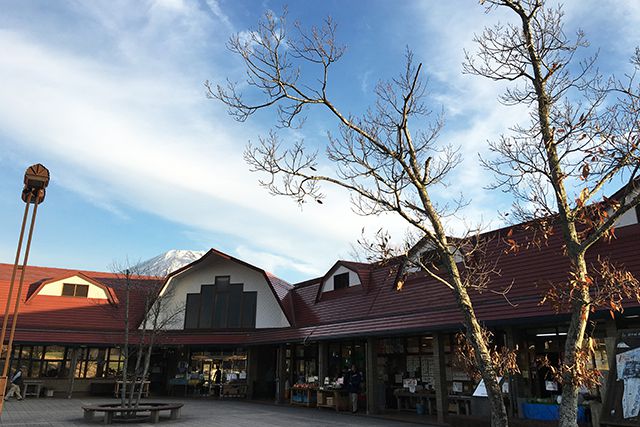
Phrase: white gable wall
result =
(354, 279)
(628, 218)
(55, 288)
(268, 311)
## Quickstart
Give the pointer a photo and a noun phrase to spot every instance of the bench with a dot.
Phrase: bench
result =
(31, 388)
(110, 410)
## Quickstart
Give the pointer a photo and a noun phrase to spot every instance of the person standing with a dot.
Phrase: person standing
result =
(217, 382)
(354, 381)
(16, 384)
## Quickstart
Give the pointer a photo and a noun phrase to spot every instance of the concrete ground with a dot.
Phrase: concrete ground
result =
(196, 412)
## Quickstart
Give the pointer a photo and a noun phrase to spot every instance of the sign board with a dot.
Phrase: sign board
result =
(409, 382)
(481, 389)
(622, 406)
(551, 386)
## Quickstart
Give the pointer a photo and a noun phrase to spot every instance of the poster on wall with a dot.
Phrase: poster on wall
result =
(622, 407)
(628, 371)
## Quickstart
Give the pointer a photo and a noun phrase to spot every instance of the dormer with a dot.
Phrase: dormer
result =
(626, 193)
(340, 278)
(75, 286)
(343, 276)
(430, 258)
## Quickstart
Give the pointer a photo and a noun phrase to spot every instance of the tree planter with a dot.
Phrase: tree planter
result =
(147, 412)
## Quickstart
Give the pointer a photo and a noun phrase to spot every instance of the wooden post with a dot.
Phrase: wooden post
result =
(372, 404)
(3, 387)
(281, 373)
(440, 378)
(252, 370)
(323, 366)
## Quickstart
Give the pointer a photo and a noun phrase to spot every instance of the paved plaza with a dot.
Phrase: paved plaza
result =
(64, 412)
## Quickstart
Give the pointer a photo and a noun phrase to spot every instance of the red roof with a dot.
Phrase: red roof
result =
(424, 303)
(376, 308)
(73, 319)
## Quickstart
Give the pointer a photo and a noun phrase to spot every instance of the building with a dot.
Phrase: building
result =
(266, 335)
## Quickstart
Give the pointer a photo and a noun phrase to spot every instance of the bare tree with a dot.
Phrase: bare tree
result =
(582, 134)
(159, 313)
(388, 159)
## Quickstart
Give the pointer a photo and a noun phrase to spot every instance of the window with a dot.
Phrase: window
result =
(223, 305)
(115, 363)
(305, 363)
(72, 290)
(88, 362)
(344, 354)
(341, 281)
(56, 361)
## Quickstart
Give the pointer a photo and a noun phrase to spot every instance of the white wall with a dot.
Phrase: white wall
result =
(55, 288)
(268, 311)
(354, 279)
(627, 218)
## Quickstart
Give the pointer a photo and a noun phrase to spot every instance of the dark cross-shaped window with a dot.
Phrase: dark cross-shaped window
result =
(222, 305)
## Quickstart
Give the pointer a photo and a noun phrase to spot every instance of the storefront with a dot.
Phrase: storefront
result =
(248, 334)
(207, 371)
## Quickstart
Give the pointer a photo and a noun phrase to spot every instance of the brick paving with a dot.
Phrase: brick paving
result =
(196, 412)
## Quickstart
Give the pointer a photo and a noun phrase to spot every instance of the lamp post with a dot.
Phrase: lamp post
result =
(36, 179)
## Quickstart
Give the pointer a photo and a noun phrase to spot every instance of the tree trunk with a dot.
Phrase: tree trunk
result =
(72, 371)
(136, 369)
(145, 369)
(484, 363)
(574, 343)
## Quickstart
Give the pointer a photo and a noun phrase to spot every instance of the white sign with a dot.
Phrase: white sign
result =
(481, 389)
(551, 386)
(409, 382)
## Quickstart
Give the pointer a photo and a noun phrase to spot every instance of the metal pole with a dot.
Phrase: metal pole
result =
(36, 179)
(14, 319)
(5, 319)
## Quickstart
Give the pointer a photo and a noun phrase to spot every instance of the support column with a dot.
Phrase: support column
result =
(252, 370)
(280, 373)
(372, 404)
(440, 377)
(323, 366)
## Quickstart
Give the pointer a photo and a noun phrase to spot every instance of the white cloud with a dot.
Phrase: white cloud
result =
(125, 138)
(130, 119)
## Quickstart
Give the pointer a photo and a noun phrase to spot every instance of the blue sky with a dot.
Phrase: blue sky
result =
(109, 96)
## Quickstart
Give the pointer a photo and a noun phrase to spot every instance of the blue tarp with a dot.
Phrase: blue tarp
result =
(548, 412)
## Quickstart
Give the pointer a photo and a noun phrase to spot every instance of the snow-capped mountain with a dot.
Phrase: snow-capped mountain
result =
(167, 262)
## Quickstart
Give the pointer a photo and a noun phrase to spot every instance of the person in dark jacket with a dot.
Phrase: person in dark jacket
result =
(354, 380)
(217, 382)
(16, 384)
